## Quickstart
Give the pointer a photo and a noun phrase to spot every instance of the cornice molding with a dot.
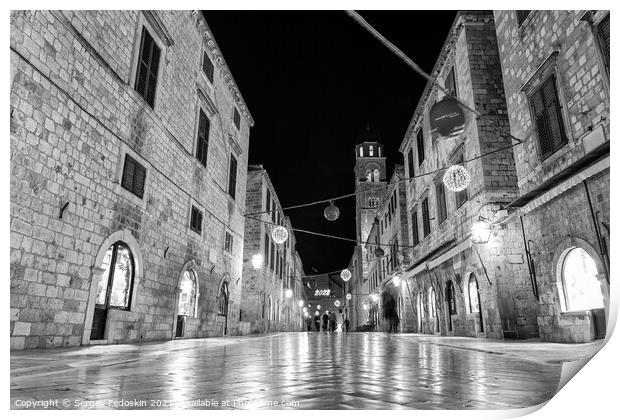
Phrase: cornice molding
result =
(158, 26)
(210, 44)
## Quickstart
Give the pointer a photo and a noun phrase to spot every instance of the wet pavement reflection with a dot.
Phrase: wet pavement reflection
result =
(297, 370)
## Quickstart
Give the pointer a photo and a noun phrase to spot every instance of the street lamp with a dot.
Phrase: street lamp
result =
(396, 281)
(301, 303)
(480, 231)
(365, 307)
(257, 261)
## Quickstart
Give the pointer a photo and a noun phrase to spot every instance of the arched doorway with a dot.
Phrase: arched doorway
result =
(432, 308)
(450, 303)
(187, 300)
(222, 301)
(114, 288)
(580, 287)
(473, 292)
(419, 311)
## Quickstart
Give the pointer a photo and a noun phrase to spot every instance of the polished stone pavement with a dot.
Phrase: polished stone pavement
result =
(299, 370)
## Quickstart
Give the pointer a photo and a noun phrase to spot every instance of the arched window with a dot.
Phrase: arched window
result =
(581, 289)
(116, 283)
(432, 303)
(373, 202)
(370, 150)
(223, 299)
(188, 294)
(472, 291)
(361, 151)
(376, 175)
(451, 298)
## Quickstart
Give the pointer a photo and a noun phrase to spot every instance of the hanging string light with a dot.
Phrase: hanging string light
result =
(279, 234)
(318, 306)
(456, 178)
(348, 296)
(331, 212)
(301, 303)
(365, 307)
(337, 303)
(345, 274)
(288, 293)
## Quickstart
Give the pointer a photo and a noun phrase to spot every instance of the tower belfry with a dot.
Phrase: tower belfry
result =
(370, 181)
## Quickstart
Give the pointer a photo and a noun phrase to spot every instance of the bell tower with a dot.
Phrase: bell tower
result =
(370, 181)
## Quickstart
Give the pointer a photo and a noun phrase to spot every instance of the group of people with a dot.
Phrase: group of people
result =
(329, 321)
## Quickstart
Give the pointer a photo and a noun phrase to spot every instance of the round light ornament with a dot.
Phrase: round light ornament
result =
(348, 296)
(480, 232)
(379, 252)
(345, 274)
(331, 212)
(301, 303)
(316, 313)
(288, 293)
(447, 117)
(318, 306)
(365, 307)
(337, 303)
(456, 178)
(279, 234)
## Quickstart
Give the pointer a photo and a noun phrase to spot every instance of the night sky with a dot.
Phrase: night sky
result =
(313, 82)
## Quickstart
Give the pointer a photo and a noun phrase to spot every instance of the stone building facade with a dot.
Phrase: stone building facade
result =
(460, 288)
(370, 180)
(556, 78)
(129, 148)
(389, 237)
(269, 269)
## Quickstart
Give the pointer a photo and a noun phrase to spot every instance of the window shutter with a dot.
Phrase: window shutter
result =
(420, 144)
(203, 138)
(232, 177)
(425, 218)
(236, 118)
(414, 224)
(603, 32)
(411, 173)
(153, 70)
(553, 112)
(138, 184)
(128, 173)
(207, 66)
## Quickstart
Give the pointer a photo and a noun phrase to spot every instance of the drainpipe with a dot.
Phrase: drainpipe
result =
(596, 231)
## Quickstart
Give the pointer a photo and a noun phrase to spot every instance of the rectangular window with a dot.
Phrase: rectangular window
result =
(521, 16)
(232, 177)
(414, 225)
(195, 222)
(451, 82)
(603, 36)
(267, 241)
(370, 151)
(236, 118)
(420, 144)
(548, 118)
(268, 201)
(411, 173)
(461, 196)
(426, 221)
(133, 177)
(148, 66)
(202, 145)
(228, 244)
(272, 256)
(440, 191)
(273, 211)
(207, 66)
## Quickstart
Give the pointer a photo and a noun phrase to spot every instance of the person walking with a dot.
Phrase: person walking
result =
(332, 321)
(317, 321)
(346, 323)
(308, 324)
(325, 320)
(340, 320)
(390, 314)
